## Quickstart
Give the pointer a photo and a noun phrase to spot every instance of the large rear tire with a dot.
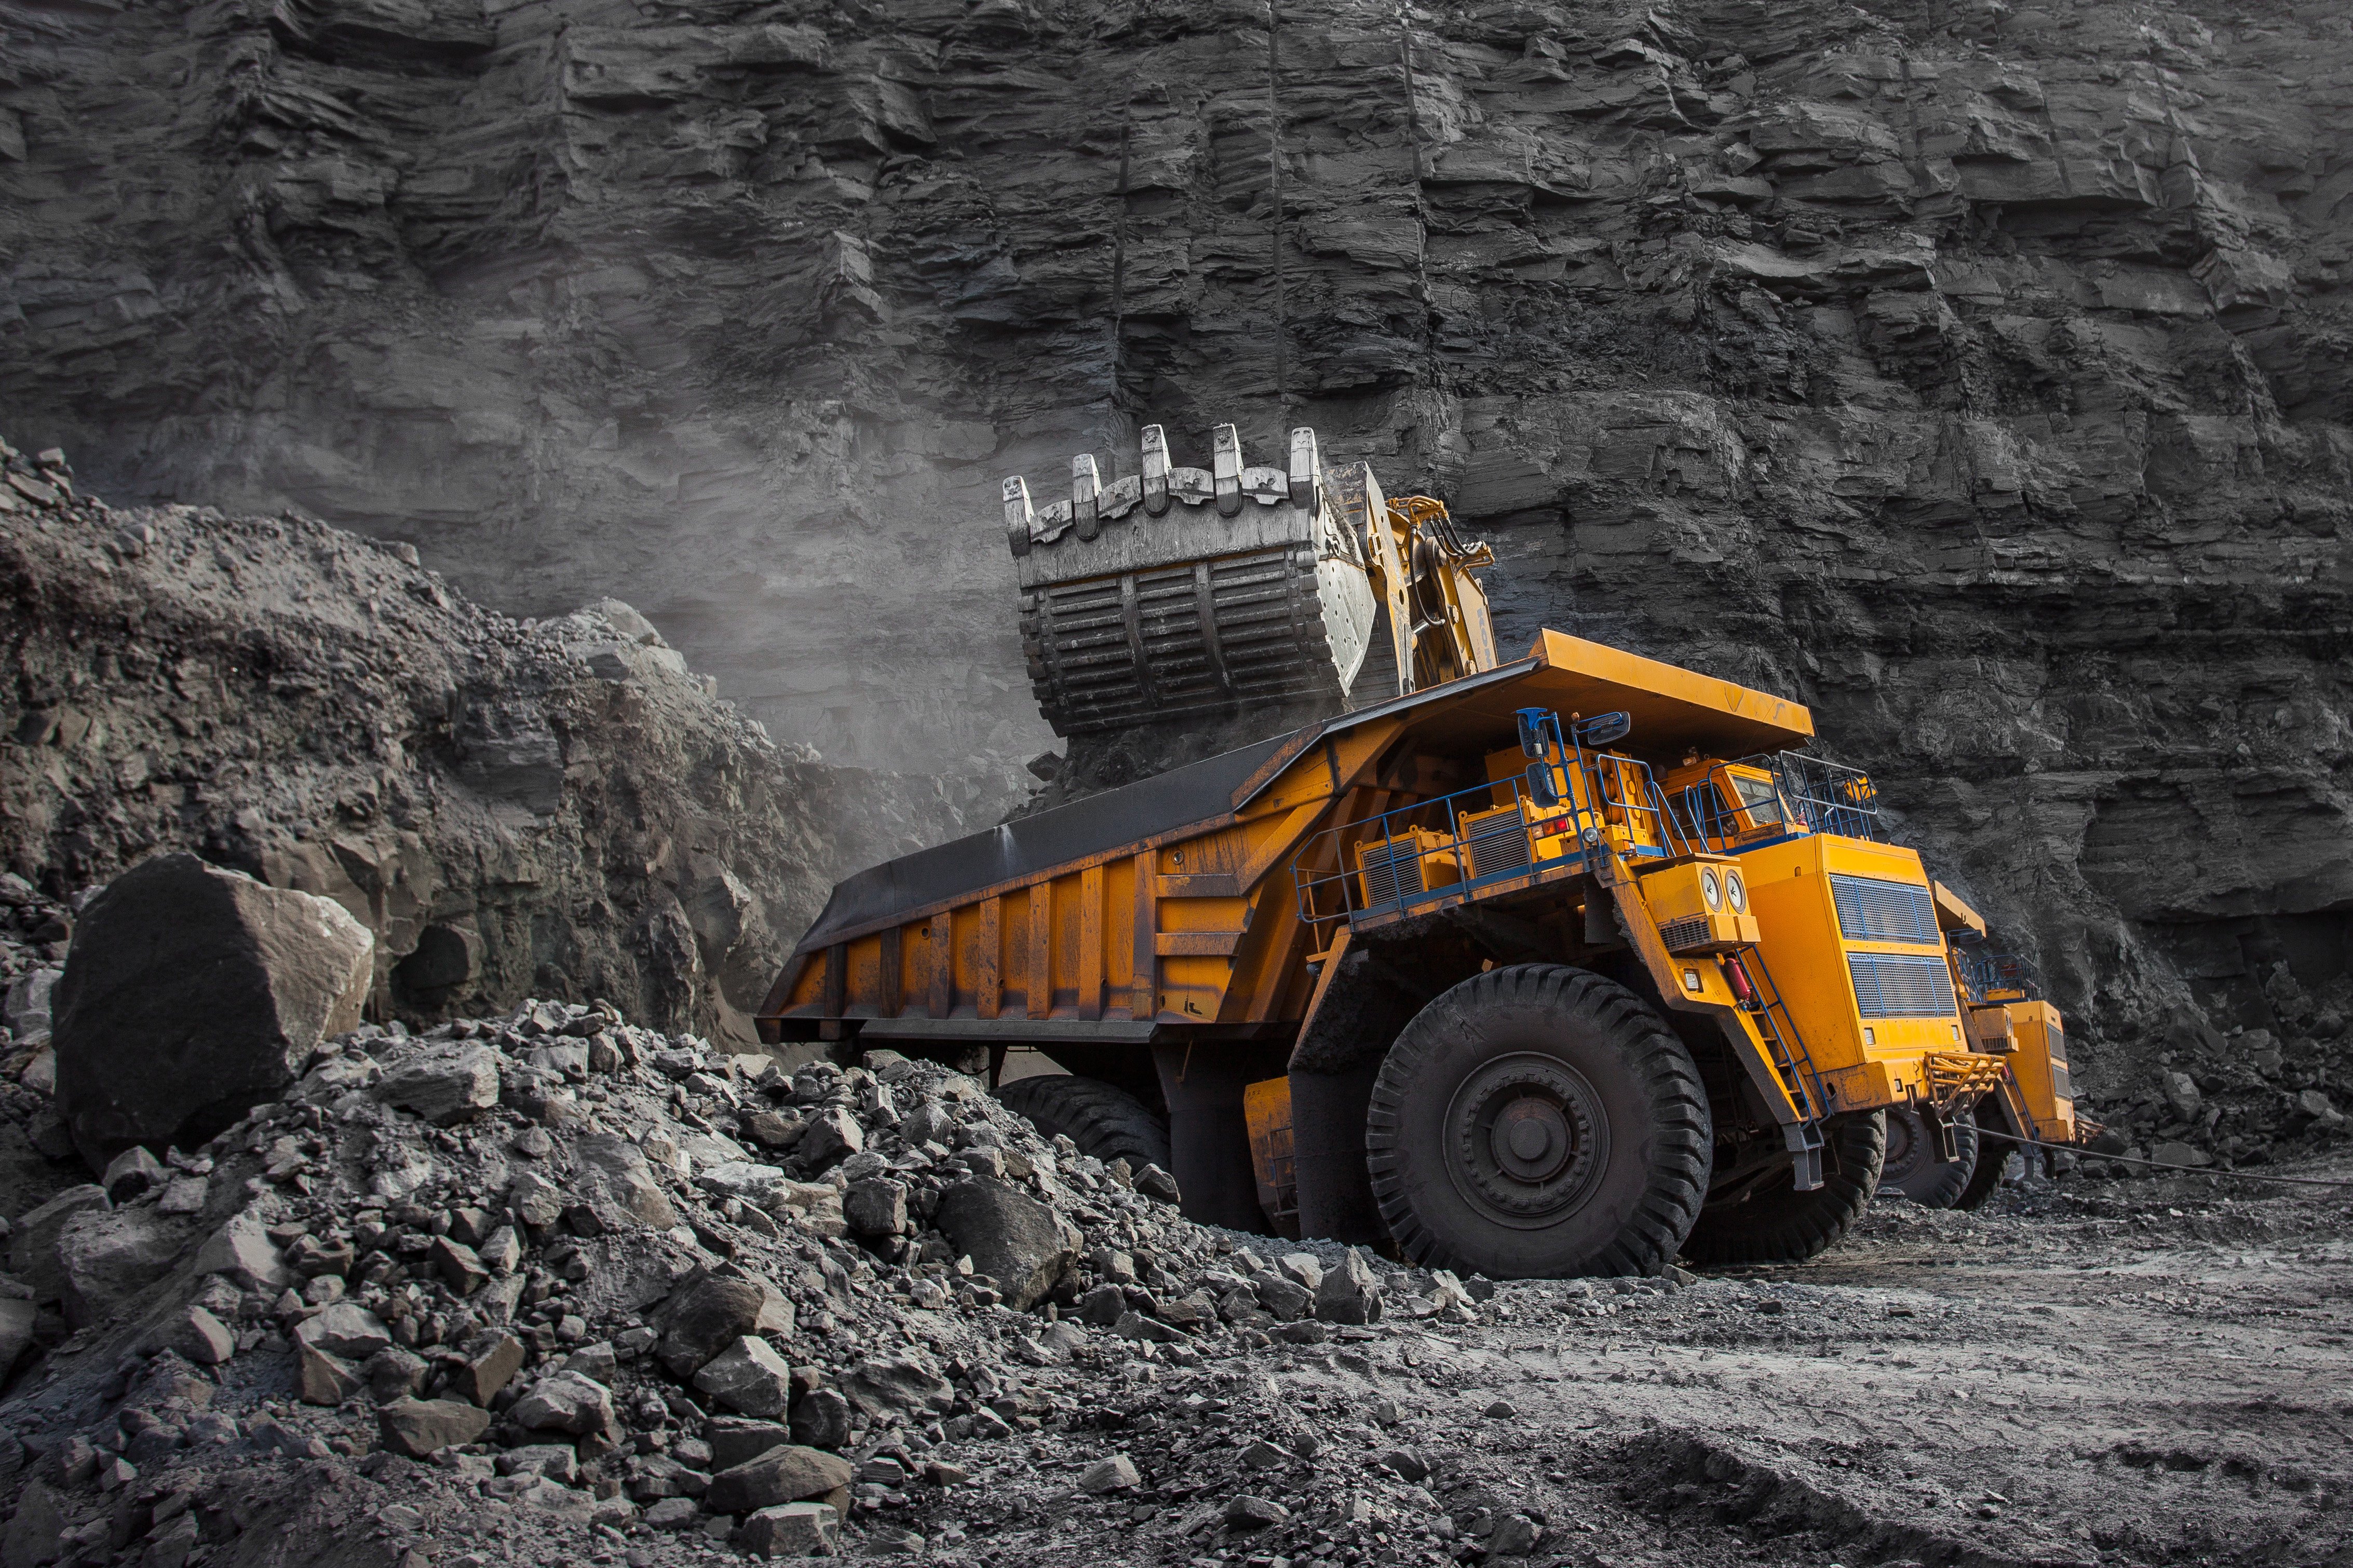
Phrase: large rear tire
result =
(1106, 1121)
(1911, 1167)
(1775, 1223)
(1538, 1122)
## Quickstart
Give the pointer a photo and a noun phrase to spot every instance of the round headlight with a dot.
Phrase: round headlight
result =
(1738, 891)
(1710, 889)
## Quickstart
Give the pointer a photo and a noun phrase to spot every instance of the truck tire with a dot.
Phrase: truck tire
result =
(1778, 1224)
(1106, 1121)
(1538, 1122)
(1985, 1172)
(1911, 1167)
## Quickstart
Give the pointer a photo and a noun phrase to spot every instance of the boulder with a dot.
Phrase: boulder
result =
(706, 1316)
(1117, 1474)
(33, 1240)
(191, 995)
(762, 1186)
(444, 1083)
(792, 1529)
(832, 1134)
(460, 1266)
(421, 1427)
(790, 1474)
(27, 1011)
(323, 1379)
(199, 1336)
(733, 1439)
(106, 1257)
(1285, 1297)
(613, 1188)
(567, 1402)
(876, 1207)
(748, 1377)
(1013, 1238)
(822, 1418)
(493, 1358)
(242, 1250)
(344, 1329)
(897, 1387)
(1350, 1293)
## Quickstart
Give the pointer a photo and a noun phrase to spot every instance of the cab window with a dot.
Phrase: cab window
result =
(1757, 797)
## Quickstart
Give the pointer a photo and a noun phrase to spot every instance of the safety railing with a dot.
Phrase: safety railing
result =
(1827, 797)
(1988, 975)
(1443, 847)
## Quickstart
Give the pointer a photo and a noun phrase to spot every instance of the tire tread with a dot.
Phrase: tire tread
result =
(1102, 1119)
(1677, 1181)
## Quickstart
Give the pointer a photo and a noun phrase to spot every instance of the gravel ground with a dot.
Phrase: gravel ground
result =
(2111, 1372)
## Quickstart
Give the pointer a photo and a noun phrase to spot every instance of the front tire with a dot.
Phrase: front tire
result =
(1993, 1157)
(1538, 1122)
(1778, 1224)
(1911, 1167)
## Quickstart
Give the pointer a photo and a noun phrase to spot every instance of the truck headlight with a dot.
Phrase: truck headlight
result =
(1711, 889)
(1736, 892)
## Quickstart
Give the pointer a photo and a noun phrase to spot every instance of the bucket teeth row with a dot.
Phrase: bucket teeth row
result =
(1228, 483)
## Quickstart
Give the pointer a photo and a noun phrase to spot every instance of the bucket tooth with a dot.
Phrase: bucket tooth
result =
(1155, 470)
(1018, 515)
(1086, 495)
(1199, 613)
(1306, 470)
(1226, 469)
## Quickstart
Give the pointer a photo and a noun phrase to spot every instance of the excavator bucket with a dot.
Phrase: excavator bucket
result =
(1178, 593)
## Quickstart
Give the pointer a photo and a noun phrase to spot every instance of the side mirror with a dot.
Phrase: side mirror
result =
(1541, 787)
(1534, 741)
(1606, 729)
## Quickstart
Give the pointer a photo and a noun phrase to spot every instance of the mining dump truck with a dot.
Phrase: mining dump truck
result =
(2032, 1108)
(1559, 966)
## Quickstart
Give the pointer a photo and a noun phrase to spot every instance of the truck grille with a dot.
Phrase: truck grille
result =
(1498, 846)
(1689, 931)
(1900, 985)
(1392, 872)
(1870, 909)
(2062, 1082)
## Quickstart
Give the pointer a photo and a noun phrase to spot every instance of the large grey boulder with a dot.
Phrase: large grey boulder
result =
(106, 1257)
(1013, 1238)
(192, 994)
(613, 1189)
(444, 1083)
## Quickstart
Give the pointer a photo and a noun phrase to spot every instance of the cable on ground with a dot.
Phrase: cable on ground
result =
(2159, 1164)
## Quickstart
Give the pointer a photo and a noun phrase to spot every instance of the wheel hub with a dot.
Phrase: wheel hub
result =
(1903, 1148)
(1527, 1139)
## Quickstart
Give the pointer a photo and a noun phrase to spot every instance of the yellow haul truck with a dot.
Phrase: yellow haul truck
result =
(1562, 967)
(1558, 967)
(2032, 1104)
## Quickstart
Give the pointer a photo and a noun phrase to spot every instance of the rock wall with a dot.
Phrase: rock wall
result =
(1974, 370)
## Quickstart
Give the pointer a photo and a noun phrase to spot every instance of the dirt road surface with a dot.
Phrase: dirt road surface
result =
(2110, 1372)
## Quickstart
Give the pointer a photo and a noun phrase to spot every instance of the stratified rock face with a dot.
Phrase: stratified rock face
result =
(1974, 373)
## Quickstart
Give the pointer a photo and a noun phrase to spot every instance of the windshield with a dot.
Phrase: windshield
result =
(1758, 795)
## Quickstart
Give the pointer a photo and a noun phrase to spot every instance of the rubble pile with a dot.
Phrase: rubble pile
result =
(625, 1284)
(510, 807)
